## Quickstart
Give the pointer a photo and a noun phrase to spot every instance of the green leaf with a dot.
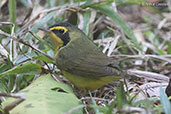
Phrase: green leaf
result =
(24, 57)
(86, 22)
(153, 38)
(4, 86)
(94, 104)
(111, 107)
(31, 55)
(26, 69)
(169, 47)
(12, 10)
(89, 3)
(102, 109)
(165, 101)
(1, 111)
(45, 59)
(46, 96)
(131, 2)
(161, 52)
(121, 96)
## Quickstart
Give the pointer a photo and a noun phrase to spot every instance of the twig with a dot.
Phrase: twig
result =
(20, 98)
(128, 109)
(67, 6)
(21, 41)
(149, 75)
(19, 95)
(161, 57)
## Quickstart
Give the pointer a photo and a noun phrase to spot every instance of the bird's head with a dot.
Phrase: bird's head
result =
(62, 33)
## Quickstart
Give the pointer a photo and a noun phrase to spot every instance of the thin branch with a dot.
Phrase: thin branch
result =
(21, 41)
(20, 98)
(148, 75)
(166, 58)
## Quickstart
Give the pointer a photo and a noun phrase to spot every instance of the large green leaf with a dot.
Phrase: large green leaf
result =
(26, 69)
(47, 96)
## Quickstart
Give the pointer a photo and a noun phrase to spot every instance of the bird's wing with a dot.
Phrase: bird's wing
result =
(91, 63)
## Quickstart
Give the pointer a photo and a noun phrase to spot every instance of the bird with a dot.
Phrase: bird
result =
(79, 59)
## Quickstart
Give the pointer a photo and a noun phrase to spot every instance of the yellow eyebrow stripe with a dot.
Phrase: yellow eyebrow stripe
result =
(58, 28)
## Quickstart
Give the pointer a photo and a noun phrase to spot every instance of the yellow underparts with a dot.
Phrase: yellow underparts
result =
(87, 83)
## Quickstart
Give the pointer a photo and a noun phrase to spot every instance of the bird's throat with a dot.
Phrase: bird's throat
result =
(57, 42)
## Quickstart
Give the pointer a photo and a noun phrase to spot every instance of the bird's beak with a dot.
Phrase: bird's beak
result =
(45, 30)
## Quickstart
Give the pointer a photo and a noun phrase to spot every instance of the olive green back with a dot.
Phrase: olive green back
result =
(82, 58)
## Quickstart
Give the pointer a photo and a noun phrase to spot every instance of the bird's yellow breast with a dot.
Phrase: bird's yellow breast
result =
(89, 83)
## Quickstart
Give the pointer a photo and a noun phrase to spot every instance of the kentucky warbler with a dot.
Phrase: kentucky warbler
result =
(79, 60)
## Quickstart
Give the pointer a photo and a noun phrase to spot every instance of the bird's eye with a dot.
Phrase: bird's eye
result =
(61, 31)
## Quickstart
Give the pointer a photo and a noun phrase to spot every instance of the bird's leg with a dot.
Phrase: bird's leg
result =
(100, 94)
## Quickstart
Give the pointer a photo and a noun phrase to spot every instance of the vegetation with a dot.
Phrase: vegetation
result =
(135, 32)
